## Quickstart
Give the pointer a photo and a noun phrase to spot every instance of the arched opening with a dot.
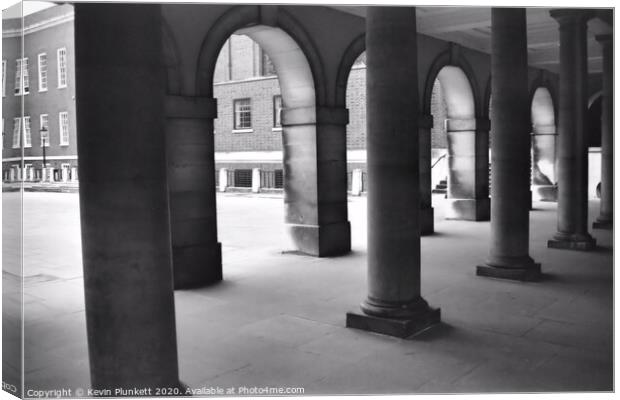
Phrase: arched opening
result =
(544, 138)
(264, 138)
(454, 147)
(593, 140)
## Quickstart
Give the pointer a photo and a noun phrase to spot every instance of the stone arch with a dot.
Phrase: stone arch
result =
(352, 52)
(270, 17)
(544, 142)
(467, 153)
(449, 58)
(302, 83)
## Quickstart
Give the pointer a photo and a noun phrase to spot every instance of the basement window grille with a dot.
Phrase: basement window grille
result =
(243, 178)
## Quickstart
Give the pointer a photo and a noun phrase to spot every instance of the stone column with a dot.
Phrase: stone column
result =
(223, 179)
(74, 174)
(427, 223)
(394, 305)
(544, 187)
(572, 147)
(468, 169)
(356, 182)
(510, 150)
(605, 219)
(315, 179)
(125, 221)
(196, 252)
(255, 180)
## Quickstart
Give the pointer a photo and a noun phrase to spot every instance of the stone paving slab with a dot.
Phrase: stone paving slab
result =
(278, 319)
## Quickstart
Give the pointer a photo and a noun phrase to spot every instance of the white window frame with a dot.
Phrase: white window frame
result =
(17, 126)
(237, 111)
(3, 79)
(61, 54)
(22, 77)
(277, 113)
(42, 63)
(63, 129)
(44, 121)
(27, 132)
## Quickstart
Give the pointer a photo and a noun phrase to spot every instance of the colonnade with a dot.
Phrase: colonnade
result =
(147, 227)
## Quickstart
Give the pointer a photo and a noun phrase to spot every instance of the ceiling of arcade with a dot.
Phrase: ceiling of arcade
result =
(471, 27)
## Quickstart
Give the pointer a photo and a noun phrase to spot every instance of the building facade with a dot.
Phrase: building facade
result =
(38, 97)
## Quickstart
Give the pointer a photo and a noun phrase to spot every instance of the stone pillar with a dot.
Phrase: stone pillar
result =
(50, 174)
(223, 179)
(427, 223)
(12, 174)
(130, 315)
(74, 174)
(315, 184)
(357, 182)
(544, 187)
(255, 180)
(196, 252)
(572, 147)
(510, 150)
(394, 305)
(64, 173)
(605, 220)
(468, 169)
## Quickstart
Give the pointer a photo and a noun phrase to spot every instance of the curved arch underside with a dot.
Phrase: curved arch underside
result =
(457, 93)
(293, 69)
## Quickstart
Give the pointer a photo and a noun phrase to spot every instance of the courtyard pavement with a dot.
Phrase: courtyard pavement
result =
(278, 319)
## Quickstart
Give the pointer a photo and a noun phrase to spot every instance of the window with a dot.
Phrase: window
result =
(44, 123)
(277, 111)
(27, 134)
(243, 114)
(22, 80)
(3, 80)
(17, 126)
(63, 123)
(267, 67)
(243, 178)
(2, 133)
(42, 72)
(62, 67)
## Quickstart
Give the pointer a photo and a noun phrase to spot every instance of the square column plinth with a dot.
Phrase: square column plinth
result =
(527, 274)
(401, 328)
(583, 244)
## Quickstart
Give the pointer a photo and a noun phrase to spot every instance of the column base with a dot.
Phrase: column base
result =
(321, 241)
(427, 221)
(398, 327)
(197, 266)
(545, 193)
(603, 223)
(583, 242)
(468, 209)
(527, 271)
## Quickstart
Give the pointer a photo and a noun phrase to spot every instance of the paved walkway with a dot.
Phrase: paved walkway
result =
(278, 319)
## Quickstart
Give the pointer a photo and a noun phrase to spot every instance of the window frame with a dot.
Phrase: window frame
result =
(61, 130)
(27, 132)
(47, 123)
(62, 73)
(43, 75)
(22, 77)
(17, 132)
(237, 128)
(277, 114)
(4, 66)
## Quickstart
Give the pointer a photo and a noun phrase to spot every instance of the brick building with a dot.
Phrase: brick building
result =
(40, 97)
(245, 83)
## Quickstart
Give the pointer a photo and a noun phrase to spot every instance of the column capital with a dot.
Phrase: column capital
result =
(566, 16)
(605, 39)
(543, 129)
(191, 107)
